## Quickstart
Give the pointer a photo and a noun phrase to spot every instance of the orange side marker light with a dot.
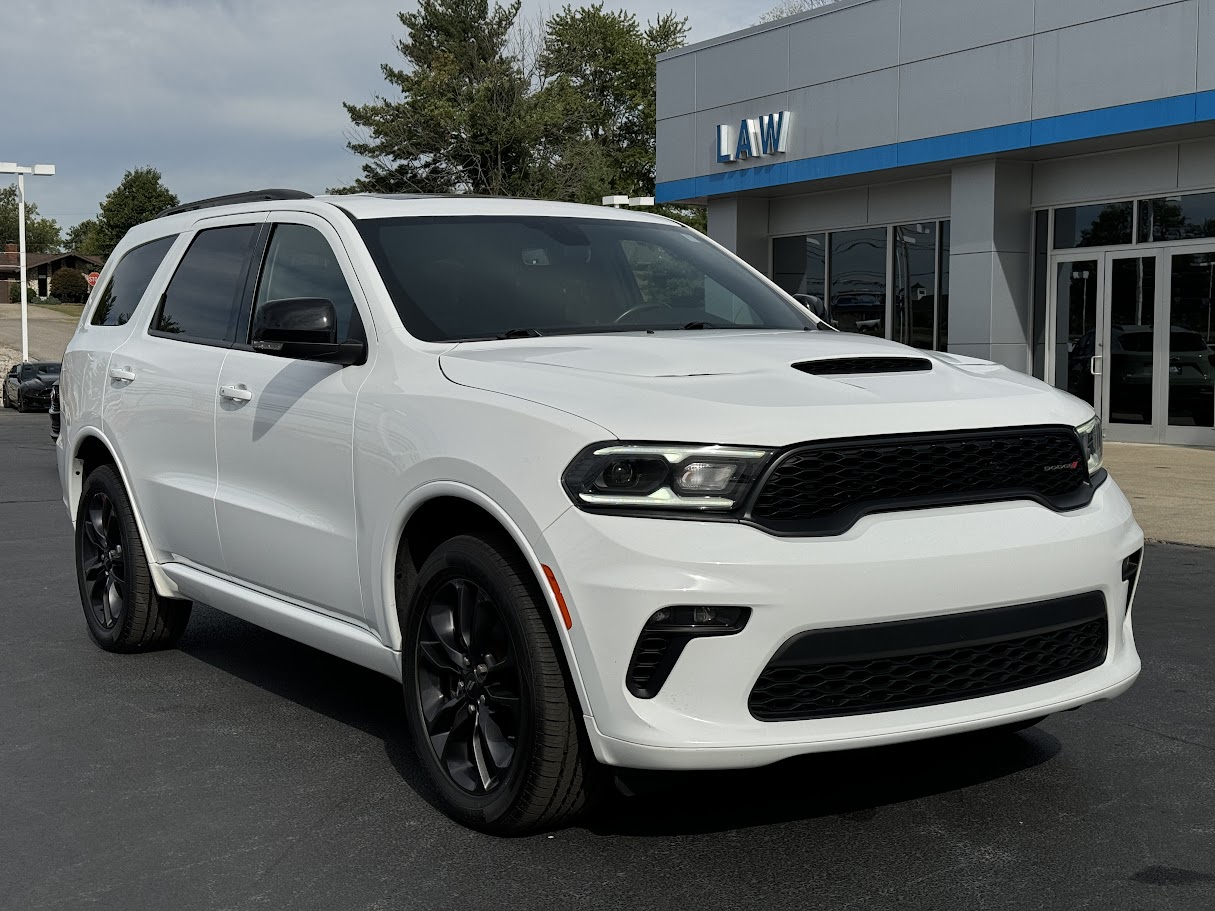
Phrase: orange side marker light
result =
(552, 583)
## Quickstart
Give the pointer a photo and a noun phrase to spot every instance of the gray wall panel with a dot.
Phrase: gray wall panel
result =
(705, 137)
(970, 23)
(750, 67)
(966, 91)
(1107, 176)
(1053, 14)
(1092, 66)
(910, 200)
(969, 296)
(1010, 299)
(829, 47)
(855, 113)
(676, 86)
(1206, 41)
(1196, 164)
(676, 152)
(818, 211)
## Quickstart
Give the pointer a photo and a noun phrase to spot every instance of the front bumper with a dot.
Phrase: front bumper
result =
(616, 571)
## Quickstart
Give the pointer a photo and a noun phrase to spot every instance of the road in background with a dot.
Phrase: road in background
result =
(244, 770)
(49, 334)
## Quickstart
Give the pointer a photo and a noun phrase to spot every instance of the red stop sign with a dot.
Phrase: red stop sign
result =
(92, 278)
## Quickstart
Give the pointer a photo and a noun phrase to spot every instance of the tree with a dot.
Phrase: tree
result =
(41, 234)
(562, 109)
(83, 238)
(69, 285)
(791, 8)
(139, 196)
(600, 72)
(465, 121)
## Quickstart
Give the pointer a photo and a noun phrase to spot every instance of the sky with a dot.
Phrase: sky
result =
(220, 95)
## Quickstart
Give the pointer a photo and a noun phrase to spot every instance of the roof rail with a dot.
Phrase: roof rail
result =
(232, 198)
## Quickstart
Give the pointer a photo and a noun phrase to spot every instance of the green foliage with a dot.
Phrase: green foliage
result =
(84, 239)
(466, 119)
(41, 234)
(599, 70)
(69, 286)
(490, 105)
(14, 293)
(139, 196)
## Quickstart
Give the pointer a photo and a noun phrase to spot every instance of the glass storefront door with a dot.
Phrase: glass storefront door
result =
(1191, 346)
(1077, 342)
(1131, 380)
(1134, 334)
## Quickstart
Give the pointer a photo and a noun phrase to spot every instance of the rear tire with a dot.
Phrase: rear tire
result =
(121, 607)
(4, 396)
(489, 709)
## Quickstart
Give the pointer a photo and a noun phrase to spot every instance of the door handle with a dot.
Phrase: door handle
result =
(236, 393)
(1094, 365)
(125, 374)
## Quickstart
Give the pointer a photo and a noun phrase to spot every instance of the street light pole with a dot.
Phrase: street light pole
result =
(42, 170)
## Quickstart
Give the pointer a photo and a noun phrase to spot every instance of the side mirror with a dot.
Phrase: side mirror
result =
(303, 328)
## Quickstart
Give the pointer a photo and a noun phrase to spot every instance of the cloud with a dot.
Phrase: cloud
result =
(221, 95)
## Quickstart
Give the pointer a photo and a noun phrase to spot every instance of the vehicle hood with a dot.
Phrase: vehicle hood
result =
(41, 381)
(712, 386)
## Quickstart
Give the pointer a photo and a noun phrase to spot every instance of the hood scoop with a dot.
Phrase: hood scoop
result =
(851, 366)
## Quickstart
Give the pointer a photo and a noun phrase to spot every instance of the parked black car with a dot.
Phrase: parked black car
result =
(53, 411)
(28, 386)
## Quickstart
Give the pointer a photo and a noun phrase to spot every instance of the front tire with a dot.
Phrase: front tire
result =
(121, 607)
(20, 403)
(488, 706)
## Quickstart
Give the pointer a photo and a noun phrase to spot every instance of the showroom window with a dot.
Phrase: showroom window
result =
(1101, 225)
(866, 273)
(1177, 218)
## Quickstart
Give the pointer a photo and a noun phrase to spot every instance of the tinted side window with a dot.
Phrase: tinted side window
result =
(300, 263)
(202, 302)
(129, 281)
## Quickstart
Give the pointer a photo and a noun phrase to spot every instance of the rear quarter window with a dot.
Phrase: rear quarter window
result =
(129, 281)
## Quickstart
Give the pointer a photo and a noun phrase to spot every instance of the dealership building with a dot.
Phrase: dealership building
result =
(1029, 181)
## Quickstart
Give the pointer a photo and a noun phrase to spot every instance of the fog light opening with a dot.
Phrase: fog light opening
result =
(665, 635)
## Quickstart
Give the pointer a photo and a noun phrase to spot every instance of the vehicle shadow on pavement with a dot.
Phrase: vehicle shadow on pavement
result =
(852, 784)
(315, 680)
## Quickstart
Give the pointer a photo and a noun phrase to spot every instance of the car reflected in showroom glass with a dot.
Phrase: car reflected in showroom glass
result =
(568, 473)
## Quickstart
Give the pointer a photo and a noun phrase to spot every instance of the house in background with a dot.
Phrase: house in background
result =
(39, 268)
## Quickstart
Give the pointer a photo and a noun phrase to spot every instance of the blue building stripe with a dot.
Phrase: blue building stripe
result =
(1112, 121)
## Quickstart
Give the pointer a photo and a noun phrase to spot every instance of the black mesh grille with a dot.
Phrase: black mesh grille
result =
(841, 366)
(823, 488)
(880, 681)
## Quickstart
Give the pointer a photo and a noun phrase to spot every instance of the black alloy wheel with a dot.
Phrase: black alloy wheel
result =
(103, 560)
(121, 607)
(490, 709)
(469, 686)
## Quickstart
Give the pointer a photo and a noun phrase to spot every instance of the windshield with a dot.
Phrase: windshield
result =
(475, 278)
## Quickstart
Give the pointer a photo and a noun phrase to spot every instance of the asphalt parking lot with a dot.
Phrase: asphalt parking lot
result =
(243, 770)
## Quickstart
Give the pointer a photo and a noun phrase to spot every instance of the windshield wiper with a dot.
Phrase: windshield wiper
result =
(520, 333)
(700, 324)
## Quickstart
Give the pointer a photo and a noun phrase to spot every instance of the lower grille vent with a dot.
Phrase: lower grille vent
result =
(906, 664)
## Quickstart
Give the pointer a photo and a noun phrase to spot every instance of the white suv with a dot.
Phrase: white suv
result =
(594, 490)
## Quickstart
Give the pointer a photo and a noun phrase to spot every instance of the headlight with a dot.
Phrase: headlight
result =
(666, 477)
(1090, 440)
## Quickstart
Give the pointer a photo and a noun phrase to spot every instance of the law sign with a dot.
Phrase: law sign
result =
(92, 277)
(755, 137)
